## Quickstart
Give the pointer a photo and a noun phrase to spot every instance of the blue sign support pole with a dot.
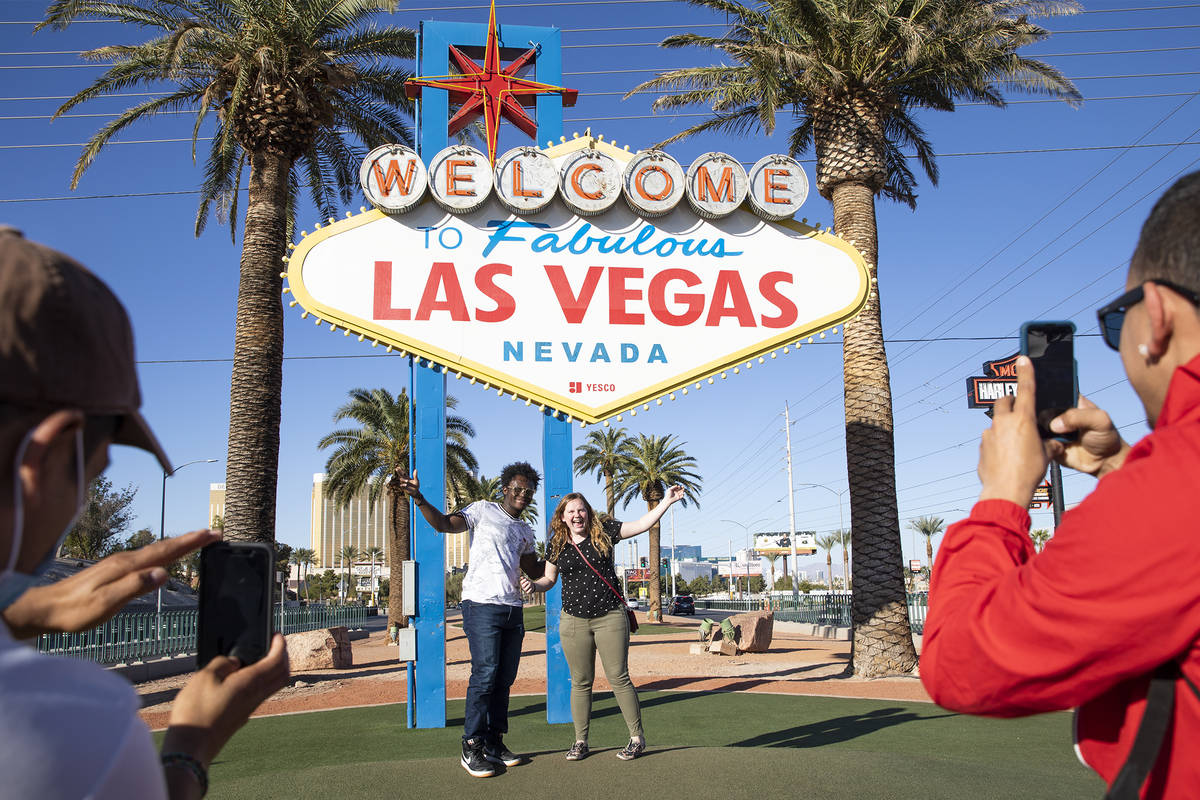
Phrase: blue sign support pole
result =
(429, 386)
(557, 465)
(429, 546)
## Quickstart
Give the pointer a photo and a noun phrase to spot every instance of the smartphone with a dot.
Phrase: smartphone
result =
(1050, 345)
(235, 601)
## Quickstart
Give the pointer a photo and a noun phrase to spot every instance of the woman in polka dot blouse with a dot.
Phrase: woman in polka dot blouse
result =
(594, 620)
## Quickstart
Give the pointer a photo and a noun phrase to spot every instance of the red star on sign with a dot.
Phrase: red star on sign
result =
(491, 90)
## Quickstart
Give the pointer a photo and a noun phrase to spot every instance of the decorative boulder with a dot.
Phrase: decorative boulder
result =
(754, 630)
(326, 648)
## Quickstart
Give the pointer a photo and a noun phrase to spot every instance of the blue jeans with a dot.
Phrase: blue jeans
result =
(494, 633)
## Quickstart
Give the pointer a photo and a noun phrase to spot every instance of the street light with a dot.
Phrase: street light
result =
(841, 524)
(162, 526)
(746, 530)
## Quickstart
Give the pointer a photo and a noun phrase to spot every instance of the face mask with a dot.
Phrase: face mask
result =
(12, 583)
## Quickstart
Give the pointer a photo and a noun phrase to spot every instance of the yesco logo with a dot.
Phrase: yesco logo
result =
(577, 387)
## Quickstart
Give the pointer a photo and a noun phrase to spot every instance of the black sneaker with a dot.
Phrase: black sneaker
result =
(496, 752)
(632, 750)
(473, 760)
(578, 751)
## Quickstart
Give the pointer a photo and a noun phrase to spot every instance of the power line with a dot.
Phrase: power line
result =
(971, 153)
(591, 3)
(397, 355)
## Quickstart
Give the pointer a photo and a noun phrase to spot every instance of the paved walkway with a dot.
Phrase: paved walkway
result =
(796, 664)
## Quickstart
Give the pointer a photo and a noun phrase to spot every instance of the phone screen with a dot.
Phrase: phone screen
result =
(1051, 348)
(235, 601)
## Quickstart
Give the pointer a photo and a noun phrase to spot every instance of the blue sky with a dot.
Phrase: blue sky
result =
(1036, 213)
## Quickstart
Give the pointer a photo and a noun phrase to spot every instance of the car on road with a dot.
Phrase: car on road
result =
(682, 604)
(632, 602)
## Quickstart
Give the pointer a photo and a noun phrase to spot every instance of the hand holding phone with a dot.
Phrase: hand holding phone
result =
(1050, 345)
(235, 601)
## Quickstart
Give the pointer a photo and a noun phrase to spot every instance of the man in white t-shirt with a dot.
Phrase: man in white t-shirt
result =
(501, 546)
(68, 389)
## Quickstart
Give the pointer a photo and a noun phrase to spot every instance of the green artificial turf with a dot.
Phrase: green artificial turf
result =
(715, 744)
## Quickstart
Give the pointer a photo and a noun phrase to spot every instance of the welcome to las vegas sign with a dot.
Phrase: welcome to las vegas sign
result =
(581, 276)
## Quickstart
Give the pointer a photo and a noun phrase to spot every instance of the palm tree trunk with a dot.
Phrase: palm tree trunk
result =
(654, 614)
(829, 568)
(929, 550)
(882, 637)
(398, 552)
(253, 453)
(610, 495)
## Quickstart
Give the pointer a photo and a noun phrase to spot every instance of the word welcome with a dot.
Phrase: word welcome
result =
(590, 181)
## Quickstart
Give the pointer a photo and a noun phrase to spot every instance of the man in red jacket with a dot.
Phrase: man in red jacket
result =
(1116, 592)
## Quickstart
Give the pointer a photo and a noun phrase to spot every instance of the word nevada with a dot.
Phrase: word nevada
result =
(588, 181)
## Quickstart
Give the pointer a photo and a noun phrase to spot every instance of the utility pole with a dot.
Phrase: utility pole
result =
(787, 430)
(732, 580)
(672, 561)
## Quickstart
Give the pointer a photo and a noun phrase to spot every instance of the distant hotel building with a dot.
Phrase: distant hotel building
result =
(358, 524)
(216, 502)
(683, 552)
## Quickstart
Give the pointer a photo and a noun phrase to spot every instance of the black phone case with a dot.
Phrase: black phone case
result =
(1041, 323)
(207, 638)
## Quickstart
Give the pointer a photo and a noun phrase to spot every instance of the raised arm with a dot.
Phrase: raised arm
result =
(445, 523)
(94, 595)
(646, 522)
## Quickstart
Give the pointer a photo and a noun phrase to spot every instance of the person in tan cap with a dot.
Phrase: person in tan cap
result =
(69, 389)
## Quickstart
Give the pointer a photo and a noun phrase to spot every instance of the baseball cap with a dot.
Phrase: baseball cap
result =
(66, 341)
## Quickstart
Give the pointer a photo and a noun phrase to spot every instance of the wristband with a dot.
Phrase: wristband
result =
(189, 763)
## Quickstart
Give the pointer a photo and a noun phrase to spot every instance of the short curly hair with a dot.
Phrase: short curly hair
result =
(522, 468)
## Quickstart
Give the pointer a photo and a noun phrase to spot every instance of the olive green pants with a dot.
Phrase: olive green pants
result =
(581, 639)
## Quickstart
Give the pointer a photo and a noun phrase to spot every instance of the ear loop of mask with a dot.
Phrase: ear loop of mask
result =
(18, 533)
(18, 505)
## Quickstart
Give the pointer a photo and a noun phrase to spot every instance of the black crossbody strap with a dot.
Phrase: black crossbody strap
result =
(1160, 703)
(620, 596)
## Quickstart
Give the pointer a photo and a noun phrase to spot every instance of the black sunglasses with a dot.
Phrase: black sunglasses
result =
(1112, 316)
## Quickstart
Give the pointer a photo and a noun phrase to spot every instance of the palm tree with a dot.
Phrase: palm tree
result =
(649, 465)
(374, 552)
(928, 527)
(304, 557)
(852, 74)
(844, 538)
(281, 82)
(1040, 536)
(348, 554)
(601, 454)
(373, 454)
(827, 542)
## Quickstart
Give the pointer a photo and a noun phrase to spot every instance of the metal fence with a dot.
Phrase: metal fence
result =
(817, 609)
(140, 636)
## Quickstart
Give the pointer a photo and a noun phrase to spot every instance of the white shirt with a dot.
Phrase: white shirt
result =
(71, 731)
(497, 543)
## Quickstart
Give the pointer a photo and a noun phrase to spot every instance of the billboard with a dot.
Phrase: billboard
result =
(740, 569)
(562, 278)
(778, 544)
